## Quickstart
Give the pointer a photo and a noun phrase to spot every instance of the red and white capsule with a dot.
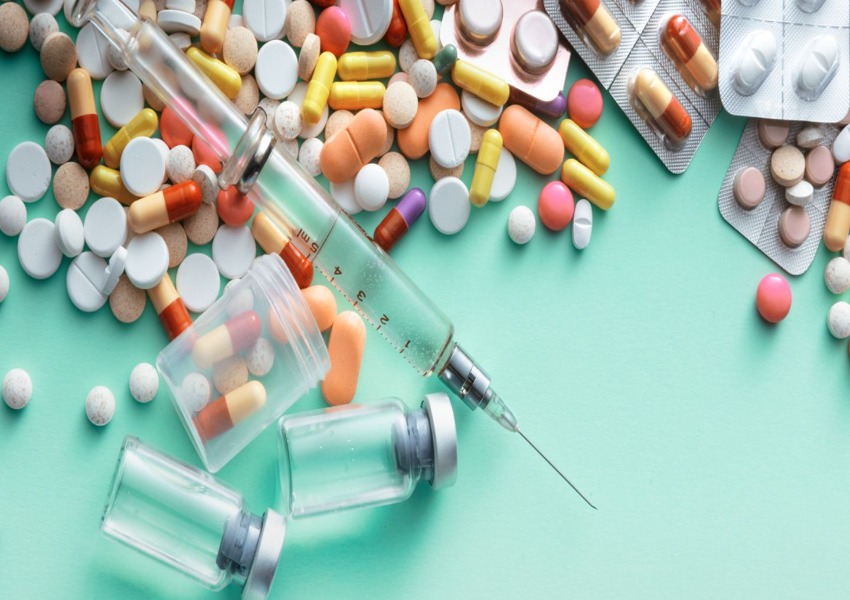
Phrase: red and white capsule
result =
(235, 335)
(171, 204)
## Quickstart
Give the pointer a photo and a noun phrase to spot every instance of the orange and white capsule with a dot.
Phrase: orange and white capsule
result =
(236, 334)
(170, 205)
(692, 58)
(838, 218)
(214, 27)
(169, 307)
(596, 22)
(84, 121)
(273, 241)
(659, 106)
(227, 411)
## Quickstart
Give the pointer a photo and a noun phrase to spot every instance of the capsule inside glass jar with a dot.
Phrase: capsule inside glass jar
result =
(659, 107)
(594, 24)
(684, 46)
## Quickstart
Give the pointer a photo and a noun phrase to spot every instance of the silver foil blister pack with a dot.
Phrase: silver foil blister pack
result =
(761, 224)
(776, 59)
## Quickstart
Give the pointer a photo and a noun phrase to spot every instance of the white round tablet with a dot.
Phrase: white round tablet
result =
(838, 320)
(183, 5)
(449, 138)
(28, 171)
(13, 215)
(92, 49)
(521, 225)
(177, 21)
(448, 205)
(479, 20)
(121, 98)
(535, 41)
(144, 382)
(369, 19)
(51, 7)
(276, 70)
(17, 388)
(195, 391)
(233, 250)
(37, 250)
(105, 226)
(143, 166)
(4, 283)
(69, 232)
(84, 280)
(260, 357)
(371, 187)
(479, 111)
(343, 194)
(198, 282)
(59, 144)
(307, 130)
(147, 260)
(287, 121)
(265, 18)
(100, 406)
(505, 178)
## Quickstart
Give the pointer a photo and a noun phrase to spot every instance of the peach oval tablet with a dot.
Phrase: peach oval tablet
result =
(820, 167)
(773, 134)
(794, 226)
(345, 347)
(413, 140)
(531, 140)
(322, 304)
(354, 146)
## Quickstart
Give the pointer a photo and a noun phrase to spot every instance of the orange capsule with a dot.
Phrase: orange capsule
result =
(592, 18)
(397, 31)
(236, 334)
(84, 119)
(273, 241)
(169, 307)
(170, 205)
(226, 411)
(685, 47)
(660, 106)
(214, 27)
(838, 218)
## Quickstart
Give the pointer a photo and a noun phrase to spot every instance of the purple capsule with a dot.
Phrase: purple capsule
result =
(553, 109)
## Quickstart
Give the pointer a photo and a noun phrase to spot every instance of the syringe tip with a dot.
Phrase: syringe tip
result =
(556, 469)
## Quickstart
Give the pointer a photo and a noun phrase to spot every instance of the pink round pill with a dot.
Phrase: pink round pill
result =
(334, 30)
(584, 103)
(173, 130)
(555, 205)
(773, 298)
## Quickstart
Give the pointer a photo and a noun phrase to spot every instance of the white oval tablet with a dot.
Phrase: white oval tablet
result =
(521, 225)
(92, 49)
(754, 63)
(838, 320)
(448, 205)
(105, 226)
(800, 194)
(449, 138)
(184, 5)
(143, 166)
(534, 42)
(198, 282)
(265, 18)
(817, 67)
(810, 137)
(37, 250)
(479, 111)
(479, 20)
(343, 193)
(505, 178)
(28, 171)
(841, 146)
(371, 187)
(233, 250)
(369, 19)
(276, 70)
(114, 270)
(177, 21)
(308, 131)
(582, 224)
(13, 215)
(121, 98)
(51, 7)
(69, 232)
(147, 260)
(86, 276)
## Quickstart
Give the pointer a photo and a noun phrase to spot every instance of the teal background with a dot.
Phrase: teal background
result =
(715, 446)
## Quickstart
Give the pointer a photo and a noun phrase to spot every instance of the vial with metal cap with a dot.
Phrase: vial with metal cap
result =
(365, 455)
(190, 521)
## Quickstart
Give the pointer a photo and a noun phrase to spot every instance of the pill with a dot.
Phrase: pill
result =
(114, 270)
(107, 182)
(223, 76)
(754, 62)
(84, 280)
(596, 23)
(586, 183)
(309, 56)
(555, 206)
(173, 130)
(419, 26)
(127, 302)
(449, 206)
(144, 383)
(201, 227)
(505, 177)
(121, 98)
(14, 27)
(584, 147)
(486, 164)
(28, 171)
(397, 30)
(398, 173)
(230, 374)
(260, 357)
(4, 283)
(800, 194)
(287, 121)
(423, 78)
(837, 275)
(322, 305)
(691, 56)
(195, 391)
(276, 69)
(584, 103)
(181, 40)
(147, 260)
(180, 164)
(91, 52)
(49, 102)
(214, 30)
(773, 134)
(316, 98)
(71, 186)
(105, 226)
(534, 42)
(794, 226)
(233, 250)
(13, 215)
(161, 208)
(169, 307)
(531, 140)
(438, 171)
(143, 166)
(582, 224)
(176, 241)
(787, 165)
(37, 250)
(841, 146)
(58, 54)
(234, 207)
(371, 187)
(265, 18)
(748, 188)
(354, 95)
(400, 104)
(17, 384)
(198, 282)
(483, 84)
(449, 138)
(334, 30)
(345, 348)
(661, 107)
(239, 50)
(819, 166)
(41, 26)
(309, 156)
(353, 147)
(363, 66)
(236, 334)
(100, 406)
(224, 413)
(478, 21)
(144, 124)
(178, 21)
(817, 67)
(400, 219)
(300, 22)
(810, 137)
(521, 225)
(838, 218)
(413, 140)
(273, 241)
(59, 144)
(773, 298)
(838, 320)
(479, 111)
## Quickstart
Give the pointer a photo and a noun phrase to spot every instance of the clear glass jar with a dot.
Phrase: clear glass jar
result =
(364, 455)
(191, 522)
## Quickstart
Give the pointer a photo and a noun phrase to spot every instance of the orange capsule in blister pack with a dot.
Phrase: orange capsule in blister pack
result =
(591, 18)
(656, 104)
(712, 9)
(169, 307)
(692, 58)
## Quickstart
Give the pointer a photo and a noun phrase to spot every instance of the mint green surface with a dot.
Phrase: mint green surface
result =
(716, 447)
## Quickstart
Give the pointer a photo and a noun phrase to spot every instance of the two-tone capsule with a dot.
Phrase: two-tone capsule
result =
(692, 58)
(660, 107)
(354, 95)
(171, 204)
(225, 412)
(584, 147)
(400, 219)
(363, 66)
(483, 84)
(107, 182)
(273, 241)
(319, 88)
(236, 334)
(143, 124)
(84, 121)
(593, 22)
(225, 77)
(214, 27)
(169, 307)
(485, 167)
(838, 218)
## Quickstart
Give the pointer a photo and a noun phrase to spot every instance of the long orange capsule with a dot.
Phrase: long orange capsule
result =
(663, 107)
(686, 48)
(169, 307)
(84, 121)
(170, 205)
(272, 241)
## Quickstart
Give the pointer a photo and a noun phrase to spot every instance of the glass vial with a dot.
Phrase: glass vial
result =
(359, 456)
(187, 519)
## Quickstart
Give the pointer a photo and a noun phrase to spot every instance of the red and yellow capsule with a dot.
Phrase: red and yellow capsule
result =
(84, 118)
(273, 241)
(171, 204)
(226, 411)
(169, 308)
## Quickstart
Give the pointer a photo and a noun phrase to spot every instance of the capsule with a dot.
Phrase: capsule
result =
(400, 219)
(692, 58)
(485, 167)
(272, 241)
(661, 106)
(529, 139)
(170, 205)
(354, 95)
(169, 307)
(236, 334)
(585, 183)
(552, 109)
(214, 27)
(223, 413)
(838, 217)
(419, 26)
(142, 125)
(712, 9)
(225, 77)
(107, 182)
(84, 118)
(482, 83)
(584, 147)
(596, 22)
(362, 66)
(445, 59)
(319, 88)
(397, 31)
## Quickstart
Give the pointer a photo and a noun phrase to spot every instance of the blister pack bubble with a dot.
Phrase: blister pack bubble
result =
(800, 30)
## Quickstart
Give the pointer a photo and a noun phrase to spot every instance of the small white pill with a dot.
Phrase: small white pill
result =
(521, 225)
(479, 20)
(276, 69)
(180, 164)
(407, 55)
(369, 19)
(233, 250)
(121, 98)
(838, 320)
(343, 194)
(42, 25)
(479, 111)
(265, 18)
(147, 260)
(535, 41)
(51, 7)
(195, 391)
(582, 224)
(70, 235)
(837, 275)
(817, 67)
(184, 5)
(143, 165)
(177, 21)
(449, 138)
(260, 357)
(207, 180)
(100, 406)
(37, 250)
(91, 52)
(13, 215)
(754, 62)
(144, 382)
(371, 187)
(198, 282)
(116, 58)
(114, 270)
(287, 120)
(28, 171)
(308, 131)
(448, 205)
(505, 178)
(800, 194)
(309, 156)
(841, 146)
(17, 389)
(84, 281)
(810, 137)
(59, 144)
(423, 78)
(105, 226)
(4, 283)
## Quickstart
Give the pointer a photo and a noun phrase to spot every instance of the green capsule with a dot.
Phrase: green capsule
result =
(445, 59)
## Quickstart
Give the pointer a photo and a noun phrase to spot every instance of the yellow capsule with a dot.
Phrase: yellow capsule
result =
(226, 78)
(586, 183)
(319, 89)
(354, 95)
(362, 66)
(482, 83)
(419, 27)
(142, 125)
(485, 167)
(584, 147)
(107, 182)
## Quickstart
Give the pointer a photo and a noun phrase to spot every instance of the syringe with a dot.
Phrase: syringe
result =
(363, 273)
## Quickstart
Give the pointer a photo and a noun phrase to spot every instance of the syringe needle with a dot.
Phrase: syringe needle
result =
(557, 470)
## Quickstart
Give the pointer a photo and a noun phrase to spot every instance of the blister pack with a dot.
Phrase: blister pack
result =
(785, 222)
(786, 59)
(658, 60)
